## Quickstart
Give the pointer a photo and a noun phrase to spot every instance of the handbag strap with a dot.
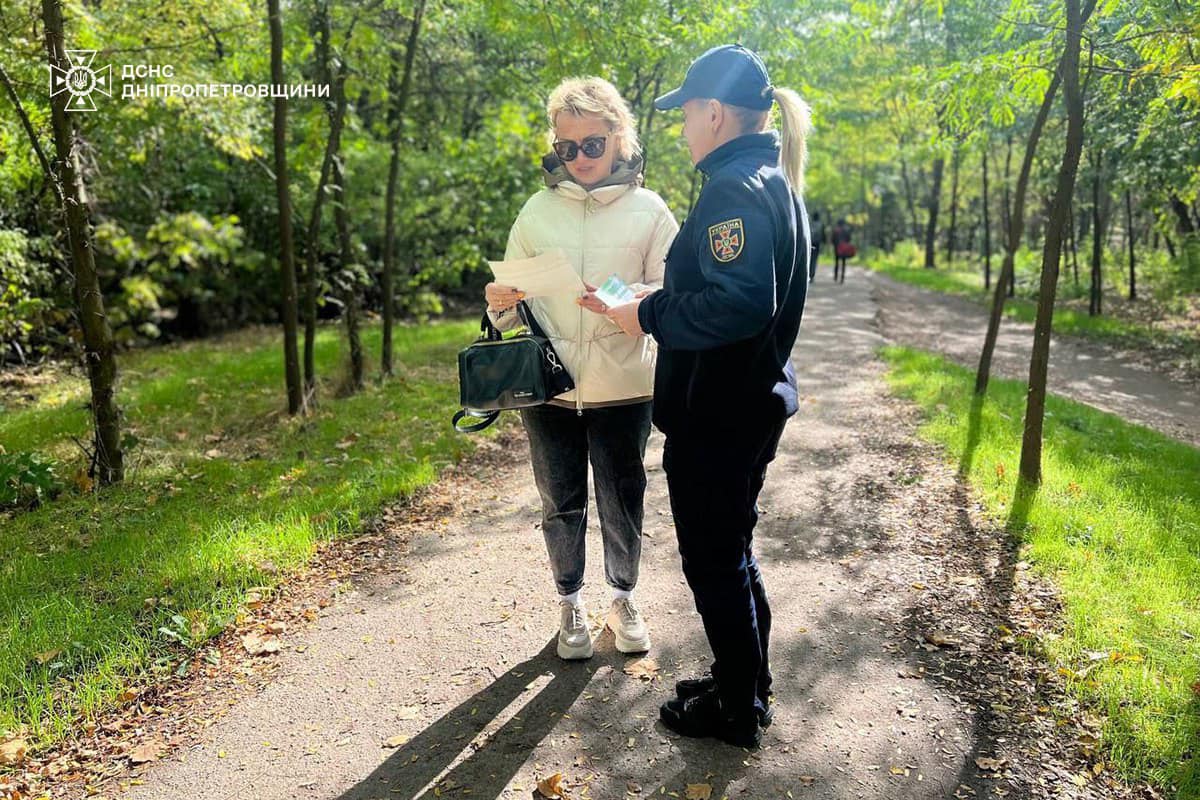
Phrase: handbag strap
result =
(488, 330)
(485, 418)
(529, 320)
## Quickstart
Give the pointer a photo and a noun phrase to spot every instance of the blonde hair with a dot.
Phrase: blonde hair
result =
(795, 124)
(596, 97)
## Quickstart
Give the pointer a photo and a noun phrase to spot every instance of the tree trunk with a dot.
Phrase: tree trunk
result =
(312, 259)
(1031, 443)
(350, 270)
(108, 464)
(1016, 224)
(909, 201)
(987, 228)
(1074, 234)
(939, 166)
(399, 97)
(1181, 213)
(951, 240)
(1096, 289)
(287, 262)
(1129, 241)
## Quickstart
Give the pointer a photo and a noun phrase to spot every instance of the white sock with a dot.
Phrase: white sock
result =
(621, 594)
(573, 598)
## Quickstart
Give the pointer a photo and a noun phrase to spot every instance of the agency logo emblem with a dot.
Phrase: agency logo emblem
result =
(81, 80)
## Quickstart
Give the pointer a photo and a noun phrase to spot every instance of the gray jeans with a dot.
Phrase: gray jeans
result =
(561, 443)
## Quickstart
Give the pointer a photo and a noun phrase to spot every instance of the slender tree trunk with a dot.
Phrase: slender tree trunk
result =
(287, 262)
(1074, 238)
(1129, 241)
(108, 464)
(915, 230)
(350, 270)
(987, 227)
(1016, 227)
(1181, 214)
(400, 92)
(312, 259)
(1096, 289)
(1031, 443)
(951, 239)
(939, 166)
(1007, 215)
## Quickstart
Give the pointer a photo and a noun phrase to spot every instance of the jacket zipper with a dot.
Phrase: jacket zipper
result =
(587, 208)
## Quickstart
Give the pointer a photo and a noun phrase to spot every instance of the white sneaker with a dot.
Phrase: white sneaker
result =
(574, 638)
(628, 627)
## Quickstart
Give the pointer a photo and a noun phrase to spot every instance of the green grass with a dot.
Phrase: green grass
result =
(965, 278)
(1116, 524)
(224, 493)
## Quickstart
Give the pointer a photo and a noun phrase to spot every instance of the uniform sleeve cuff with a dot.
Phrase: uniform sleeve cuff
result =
(645, 314)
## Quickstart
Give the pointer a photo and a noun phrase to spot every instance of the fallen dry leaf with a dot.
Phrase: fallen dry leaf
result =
(552, 787)
(47, 657)
(409, 712)
(942, 639)
(144, 753)
(13, 752)
(989, 764)
(259, 644)
(396, 741)
(698, 791)
(644, 668)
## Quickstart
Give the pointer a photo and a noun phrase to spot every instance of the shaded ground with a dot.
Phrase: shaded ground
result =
(1104, 377)
(893, 679)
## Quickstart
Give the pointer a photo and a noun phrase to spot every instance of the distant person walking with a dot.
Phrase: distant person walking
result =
(842, 250)
(817, 230)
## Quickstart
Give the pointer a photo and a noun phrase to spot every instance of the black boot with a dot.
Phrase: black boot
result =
(693, 687)
(701, 717)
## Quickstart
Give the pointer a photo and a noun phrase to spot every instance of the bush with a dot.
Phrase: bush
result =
(26, 480)
(26, 295)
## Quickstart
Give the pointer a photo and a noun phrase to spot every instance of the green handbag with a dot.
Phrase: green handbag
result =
(497, 374)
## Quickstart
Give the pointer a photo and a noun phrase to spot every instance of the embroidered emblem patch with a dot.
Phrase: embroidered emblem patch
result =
(726, 239)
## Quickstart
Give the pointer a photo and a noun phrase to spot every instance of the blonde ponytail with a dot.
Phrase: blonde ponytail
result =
(795, 123)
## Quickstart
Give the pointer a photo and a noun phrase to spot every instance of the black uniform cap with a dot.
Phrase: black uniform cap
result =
(731, 74)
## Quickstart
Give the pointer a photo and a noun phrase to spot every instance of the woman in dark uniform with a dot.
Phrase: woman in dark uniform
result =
(725, 321)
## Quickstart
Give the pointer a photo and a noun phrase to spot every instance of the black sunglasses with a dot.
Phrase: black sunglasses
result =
(592, 147)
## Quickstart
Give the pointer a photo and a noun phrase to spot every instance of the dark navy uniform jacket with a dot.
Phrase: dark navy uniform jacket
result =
(730, 307)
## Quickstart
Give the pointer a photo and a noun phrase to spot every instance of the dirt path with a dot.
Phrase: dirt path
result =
(886, 595)
(1101, 376)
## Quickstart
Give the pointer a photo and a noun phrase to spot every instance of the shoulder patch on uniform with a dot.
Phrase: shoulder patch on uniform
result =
(726, 239)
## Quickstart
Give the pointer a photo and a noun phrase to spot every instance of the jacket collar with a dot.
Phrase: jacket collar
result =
(625, 175)
(765, 144)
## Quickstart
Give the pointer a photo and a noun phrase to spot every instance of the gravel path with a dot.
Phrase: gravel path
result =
(1101, 376)
(885, 590)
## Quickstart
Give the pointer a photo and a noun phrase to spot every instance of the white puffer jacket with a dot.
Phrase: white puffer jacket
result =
(623, 229)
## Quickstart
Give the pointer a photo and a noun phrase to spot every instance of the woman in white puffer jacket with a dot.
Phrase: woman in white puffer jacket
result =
(595, 209)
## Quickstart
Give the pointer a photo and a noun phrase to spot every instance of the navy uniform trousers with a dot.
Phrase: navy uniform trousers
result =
(714, 480)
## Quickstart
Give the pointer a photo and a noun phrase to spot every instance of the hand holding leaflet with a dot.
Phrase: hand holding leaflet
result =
(614, 292)
(543, 275)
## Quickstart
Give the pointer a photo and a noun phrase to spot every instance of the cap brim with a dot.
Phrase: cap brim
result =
(672, 99)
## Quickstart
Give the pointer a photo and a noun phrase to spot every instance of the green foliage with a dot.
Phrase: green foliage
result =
(26, 480)
(27, 295)
(187, 275)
